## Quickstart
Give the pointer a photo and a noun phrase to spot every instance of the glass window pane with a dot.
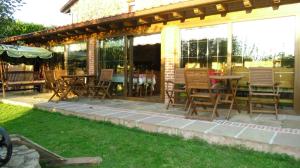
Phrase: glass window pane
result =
(266, 43)
(58, 59)
(204, 47)
(77, 58)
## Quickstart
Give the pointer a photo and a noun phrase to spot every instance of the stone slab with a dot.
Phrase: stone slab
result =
(257, 135)
(226, 130)
(287, 139)
(175, 123)
(199, 126)
(155, 120)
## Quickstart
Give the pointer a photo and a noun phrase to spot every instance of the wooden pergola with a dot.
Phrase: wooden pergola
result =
(163, 14)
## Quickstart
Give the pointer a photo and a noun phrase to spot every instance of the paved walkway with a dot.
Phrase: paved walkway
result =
(274, 139)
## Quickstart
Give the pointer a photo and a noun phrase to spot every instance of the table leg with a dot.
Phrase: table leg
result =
(233, 88)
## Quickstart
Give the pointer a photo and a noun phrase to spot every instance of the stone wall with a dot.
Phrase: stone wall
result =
(84, 10)
(23, 157)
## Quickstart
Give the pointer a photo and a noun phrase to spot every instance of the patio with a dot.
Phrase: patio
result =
(261, 132)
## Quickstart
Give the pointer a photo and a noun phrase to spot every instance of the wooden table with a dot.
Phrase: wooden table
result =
(77, 84)
(228, 97)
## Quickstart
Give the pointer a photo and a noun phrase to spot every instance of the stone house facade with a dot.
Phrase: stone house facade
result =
(225, 35)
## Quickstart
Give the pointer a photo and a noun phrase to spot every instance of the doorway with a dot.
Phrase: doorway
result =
(146, 63)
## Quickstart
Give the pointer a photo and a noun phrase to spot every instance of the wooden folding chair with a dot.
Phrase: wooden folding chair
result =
(58, 86)
(175, 87)
(103, 85)
(263, 90)
(200, 93)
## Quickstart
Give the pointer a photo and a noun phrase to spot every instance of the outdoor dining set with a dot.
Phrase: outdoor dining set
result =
(64, 85)
(203, 90)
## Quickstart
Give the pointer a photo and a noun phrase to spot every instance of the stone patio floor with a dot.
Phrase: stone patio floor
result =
(260, 132)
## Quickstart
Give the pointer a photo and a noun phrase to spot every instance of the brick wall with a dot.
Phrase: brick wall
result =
(170, 39)
(91, 55)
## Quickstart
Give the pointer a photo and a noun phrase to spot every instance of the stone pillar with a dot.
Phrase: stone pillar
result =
(91, 55)
(170, 54)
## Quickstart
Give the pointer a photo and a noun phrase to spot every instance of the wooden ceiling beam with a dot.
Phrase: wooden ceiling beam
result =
(128, 24)
(89, 30)
(78, 32)
(177, 15)
(143, 21)
(114, 25)
(158, 18)
(198, 11)
(247, 3)
(101, 28)
(221, 8)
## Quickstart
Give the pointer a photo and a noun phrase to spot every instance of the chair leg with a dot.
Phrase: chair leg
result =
(215, 108)
(250, 108)
(54, 94)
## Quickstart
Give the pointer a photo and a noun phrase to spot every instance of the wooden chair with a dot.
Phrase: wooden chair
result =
(175, 87)
(103, 85)
(262, 85)
(60, 72)
(58, 86)
(200, 93)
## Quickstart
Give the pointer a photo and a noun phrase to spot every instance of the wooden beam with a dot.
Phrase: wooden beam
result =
(128, 24)
(113, 26)
(177, 15)
(70, 34)
(142, 21)
(61, 35)
(158, 18)
(89, 30)
(198, 11)
(247, 3)
(78, 32)
(101, 28)
(221, 8)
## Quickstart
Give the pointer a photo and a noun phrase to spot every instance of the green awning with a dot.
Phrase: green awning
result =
(22, 51)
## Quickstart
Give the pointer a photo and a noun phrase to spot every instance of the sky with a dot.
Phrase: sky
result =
(46, 12)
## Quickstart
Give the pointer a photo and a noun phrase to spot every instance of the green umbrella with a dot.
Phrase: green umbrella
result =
(22, 51)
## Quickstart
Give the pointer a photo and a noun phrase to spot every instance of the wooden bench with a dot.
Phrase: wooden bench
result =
(14, 80)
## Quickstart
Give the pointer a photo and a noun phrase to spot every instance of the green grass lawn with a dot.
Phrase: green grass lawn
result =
(123, 147)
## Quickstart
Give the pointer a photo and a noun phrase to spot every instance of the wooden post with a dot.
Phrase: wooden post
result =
(125, 89)
(130, 55)
(297, 67)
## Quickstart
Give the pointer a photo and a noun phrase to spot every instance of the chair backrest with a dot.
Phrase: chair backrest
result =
(59, 73)
(197, 78)
(261, 76)
(179, 76)
(50, 76)
(106, 75)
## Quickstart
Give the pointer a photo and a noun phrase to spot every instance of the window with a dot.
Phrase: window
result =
(112, 54)
(204, 47)
(266, 43)
(77, 58)
(58, 59)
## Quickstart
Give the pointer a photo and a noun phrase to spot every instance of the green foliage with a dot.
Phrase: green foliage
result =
(124, 147)
(13, 28)
(8, 7)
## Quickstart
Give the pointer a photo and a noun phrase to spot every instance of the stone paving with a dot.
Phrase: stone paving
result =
(152, 117)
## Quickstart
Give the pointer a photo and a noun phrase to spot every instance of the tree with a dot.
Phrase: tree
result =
(13, 28)
(8, 8)
(10, 27)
